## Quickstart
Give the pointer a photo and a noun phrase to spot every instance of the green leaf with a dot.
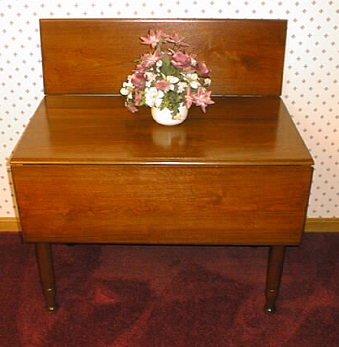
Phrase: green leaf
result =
(172, 101)
(167, 68)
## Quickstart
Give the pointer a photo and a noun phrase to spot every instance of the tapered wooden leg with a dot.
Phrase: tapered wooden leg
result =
(274, 271)
(45, 264)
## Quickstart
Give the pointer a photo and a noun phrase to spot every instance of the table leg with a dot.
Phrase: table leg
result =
(45, 264)
(274, 271)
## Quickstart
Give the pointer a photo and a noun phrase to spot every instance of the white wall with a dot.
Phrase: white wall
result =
(310, 81)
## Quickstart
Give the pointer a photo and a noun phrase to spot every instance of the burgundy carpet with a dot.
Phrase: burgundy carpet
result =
(170, 296)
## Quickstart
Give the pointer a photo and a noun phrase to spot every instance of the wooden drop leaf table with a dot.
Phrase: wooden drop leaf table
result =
(88, 171)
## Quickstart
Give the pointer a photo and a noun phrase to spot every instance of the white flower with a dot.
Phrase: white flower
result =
(159, 98)
(127, 84)
(192, 76)
(207, 81)
(150, 76)
(124, 91)
(193, 80)
(150, 94)
(193, 62)
(171, 87)
(182, 86)
(153, 97)
(159, 63)
(195, 84)
(172, 79)
(127, 87)
(130, 96)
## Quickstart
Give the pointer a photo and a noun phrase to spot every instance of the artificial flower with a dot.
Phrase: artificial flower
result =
(207, 82)
(192, 76)
(124, 91)
(148, 60)
(138, 98)
(138, 79)
(177, 40)
(131, 107)
(182, 86)
(202, 98)
(167, 76)
(153, 38)
(202, 69)
(128, 84)
(150, 76)
(163, 85)
(195, 84)
(181, 60)
(172, 79)
(153, 97)
(193, 80)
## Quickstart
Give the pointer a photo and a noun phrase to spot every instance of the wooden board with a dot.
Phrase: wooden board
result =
(96, 55)
(162, 204)
(100, 130)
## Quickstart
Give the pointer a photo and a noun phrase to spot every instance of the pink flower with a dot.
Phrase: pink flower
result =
(202, 98)
(138, 98)
(148, 60)
(162, 85)
(138, 79)
(181, 60)
(189, 98)
(131, 107)
(202, 70)
(177, 40)
(153, 38)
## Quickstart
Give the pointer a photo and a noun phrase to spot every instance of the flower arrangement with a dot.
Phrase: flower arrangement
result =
(167, 77)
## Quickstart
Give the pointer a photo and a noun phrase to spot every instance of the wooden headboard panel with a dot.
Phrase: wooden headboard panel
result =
(95, 55)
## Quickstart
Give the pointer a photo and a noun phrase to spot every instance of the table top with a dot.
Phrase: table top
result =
(100, 130)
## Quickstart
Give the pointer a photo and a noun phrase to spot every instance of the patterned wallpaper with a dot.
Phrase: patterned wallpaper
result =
(310, 81)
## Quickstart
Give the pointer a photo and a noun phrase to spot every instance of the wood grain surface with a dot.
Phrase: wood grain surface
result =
(98, 129)
(95, 55)
(162, 204)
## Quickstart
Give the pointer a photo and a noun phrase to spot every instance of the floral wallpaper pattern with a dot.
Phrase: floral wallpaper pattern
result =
(310, 87)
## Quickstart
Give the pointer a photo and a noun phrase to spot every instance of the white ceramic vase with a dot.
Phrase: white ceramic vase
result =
(165, 116)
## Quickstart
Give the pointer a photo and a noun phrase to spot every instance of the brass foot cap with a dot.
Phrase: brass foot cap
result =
(52, 309)
(270, 309)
